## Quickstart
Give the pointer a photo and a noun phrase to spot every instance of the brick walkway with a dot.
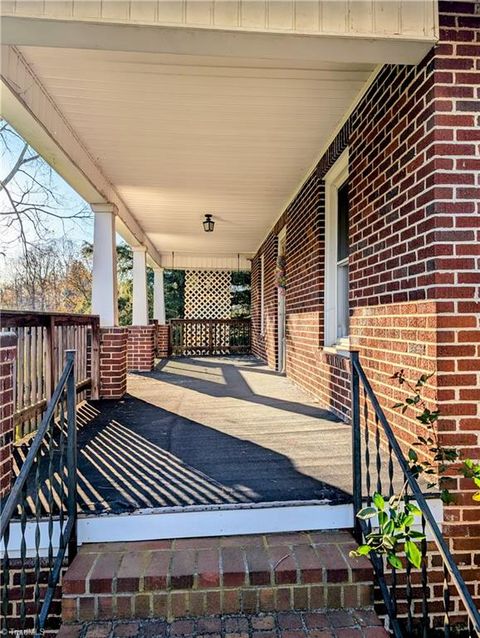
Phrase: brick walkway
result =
(312, 624)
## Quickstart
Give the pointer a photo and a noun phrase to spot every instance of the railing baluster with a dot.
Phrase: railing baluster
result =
(356, 446)
(6, 584)
(368, 482)
(446, 602)
(378, 458)
(72, 459)
(47, 452)
(23, 558)
(421, 615)
(423, 549)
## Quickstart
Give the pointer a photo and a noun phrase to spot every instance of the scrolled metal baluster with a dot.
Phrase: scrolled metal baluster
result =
(368, 481)
(5, 582)
(23, 559)
(61, 473)
(391, 471)
(424, 583)
(446, 602)
(408, 588)
(378, 458)
(50, 496)
(37, 505)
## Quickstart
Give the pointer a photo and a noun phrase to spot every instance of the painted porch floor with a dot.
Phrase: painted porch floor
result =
(209, 431)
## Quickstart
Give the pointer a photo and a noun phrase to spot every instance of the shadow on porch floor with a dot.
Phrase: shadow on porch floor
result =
(200, 431)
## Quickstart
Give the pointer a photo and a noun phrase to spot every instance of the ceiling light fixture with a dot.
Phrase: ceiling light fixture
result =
(208, 223)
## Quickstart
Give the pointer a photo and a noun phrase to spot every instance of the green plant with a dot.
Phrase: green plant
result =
(391, 521)
(435, 457)
(393, 533)
(471, 470)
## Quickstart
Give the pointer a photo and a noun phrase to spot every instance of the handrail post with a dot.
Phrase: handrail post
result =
(50, 351)
(72, 456)
(356, 444)
(95, 360)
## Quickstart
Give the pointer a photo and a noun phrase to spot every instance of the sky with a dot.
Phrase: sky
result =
(68, 201)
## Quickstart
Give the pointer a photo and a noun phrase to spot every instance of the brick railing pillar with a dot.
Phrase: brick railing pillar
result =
(141, 348)
(113, 362)
(8, 353)
(163, 341)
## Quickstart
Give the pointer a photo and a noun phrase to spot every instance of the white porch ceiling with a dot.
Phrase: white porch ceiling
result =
(178, 136)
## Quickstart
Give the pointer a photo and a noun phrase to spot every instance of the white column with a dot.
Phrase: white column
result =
(104, 278)
(158, 296)
(140, 302)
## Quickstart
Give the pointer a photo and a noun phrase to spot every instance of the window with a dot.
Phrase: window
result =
(336, 254)
(262, 294)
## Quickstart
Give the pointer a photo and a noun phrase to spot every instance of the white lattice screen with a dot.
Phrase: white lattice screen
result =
(208, 294)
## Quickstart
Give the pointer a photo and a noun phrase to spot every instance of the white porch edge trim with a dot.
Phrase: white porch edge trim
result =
(200, 521)
(28, 107)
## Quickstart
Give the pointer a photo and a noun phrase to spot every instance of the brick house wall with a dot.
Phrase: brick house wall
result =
(141, 348)
(414, 193)
(113, 362)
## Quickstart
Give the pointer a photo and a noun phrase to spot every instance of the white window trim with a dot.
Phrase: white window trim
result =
(335, 177)
(262, 294)
(281, 310)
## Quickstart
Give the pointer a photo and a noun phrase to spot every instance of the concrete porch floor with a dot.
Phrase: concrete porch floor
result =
(210, 431)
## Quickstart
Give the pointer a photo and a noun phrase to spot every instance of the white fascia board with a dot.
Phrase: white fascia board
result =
(26, 105)
(71, 34)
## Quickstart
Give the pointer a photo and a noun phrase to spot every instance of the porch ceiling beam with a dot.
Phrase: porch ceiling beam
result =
(26, 105)
(297, 49)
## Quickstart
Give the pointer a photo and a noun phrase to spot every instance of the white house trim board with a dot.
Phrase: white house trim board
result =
(262, 294)
(198, 522)
(335, 177)
(296, 47)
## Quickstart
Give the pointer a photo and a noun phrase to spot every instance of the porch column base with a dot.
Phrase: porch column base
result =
(163, 341)
(113, 362)
(141, 348)
(8, 354)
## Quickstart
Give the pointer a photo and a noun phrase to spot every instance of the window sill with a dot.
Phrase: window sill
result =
(342, 348)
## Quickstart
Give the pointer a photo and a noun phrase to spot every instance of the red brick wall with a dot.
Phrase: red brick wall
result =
(456, 258)
(141, 348)
(113, 362)
(163, 341)
(54, 620)
(8, 353)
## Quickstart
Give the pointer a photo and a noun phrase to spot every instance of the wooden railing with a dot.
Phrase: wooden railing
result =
(42, 340)
(190, 337)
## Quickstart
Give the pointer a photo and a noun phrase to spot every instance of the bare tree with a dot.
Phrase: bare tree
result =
(55, 277)
(29, 196)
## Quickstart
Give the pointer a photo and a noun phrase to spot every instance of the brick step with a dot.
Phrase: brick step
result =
(209, 576)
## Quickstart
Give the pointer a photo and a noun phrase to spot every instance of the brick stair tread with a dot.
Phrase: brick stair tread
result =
(208, 576)
(270, 559)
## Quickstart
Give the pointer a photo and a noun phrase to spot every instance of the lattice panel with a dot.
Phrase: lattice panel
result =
(208, 294)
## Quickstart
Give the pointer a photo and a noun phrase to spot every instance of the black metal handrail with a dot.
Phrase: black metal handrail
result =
(452, 574)
(53, 441)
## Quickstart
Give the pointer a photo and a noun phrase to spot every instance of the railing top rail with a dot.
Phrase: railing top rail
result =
(417, 493)
(12, 500)
(31, 318)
